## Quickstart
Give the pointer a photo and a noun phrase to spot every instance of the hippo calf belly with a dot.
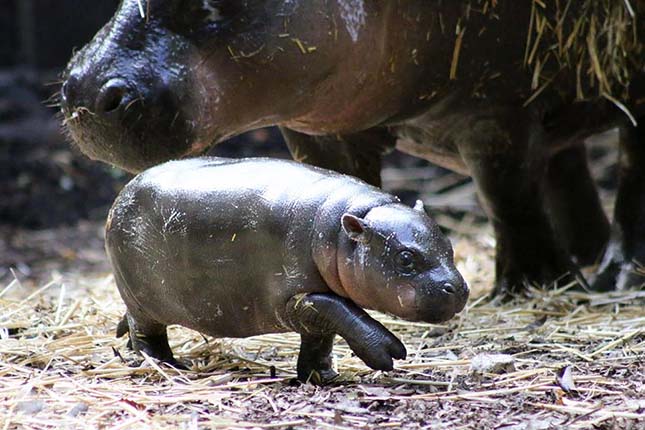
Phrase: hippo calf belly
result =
(238, 248)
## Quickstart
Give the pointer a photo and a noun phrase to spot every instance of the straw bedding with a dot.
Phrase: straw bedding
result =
(556, 359)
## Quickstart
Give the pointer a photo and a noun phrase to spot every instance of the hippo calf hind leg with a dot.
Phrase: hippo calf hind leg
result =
(622, 265)
(574, 206)
(318, 316)
(148, 336)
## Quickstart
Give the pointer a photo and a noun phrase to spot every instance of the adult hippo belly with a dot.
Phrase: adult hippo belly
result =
(457, 83)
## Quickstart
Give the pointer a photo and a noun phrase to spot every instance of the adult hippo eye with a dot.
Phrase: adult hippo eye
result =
(192, 15)
(213, 11)
(404, 261)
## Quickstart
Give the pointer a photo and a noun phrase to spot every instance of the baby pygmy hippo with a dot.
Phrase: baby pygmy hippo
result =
(236, 248)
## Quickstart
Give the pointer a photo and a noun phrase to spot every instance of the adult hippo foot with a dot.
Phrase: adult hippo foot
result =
(622, 265)
(619, 272)
(510, 287)
(318, 317)
(617, 275)
(540, 265)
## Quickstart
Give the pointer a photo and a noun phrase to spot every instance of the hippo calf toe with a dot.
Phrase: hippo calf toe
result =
(239, 248)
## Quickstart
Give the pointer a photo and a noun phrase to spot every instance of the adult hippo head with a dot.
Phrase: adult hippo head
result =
(167, 78)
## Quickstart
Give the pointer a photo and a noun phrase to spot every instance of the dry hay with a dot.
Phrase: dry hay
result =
(60, 366)
(599, 40)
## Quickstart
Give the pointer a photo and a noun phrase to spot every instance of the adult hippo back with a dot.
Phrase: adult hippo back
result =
(451, 82)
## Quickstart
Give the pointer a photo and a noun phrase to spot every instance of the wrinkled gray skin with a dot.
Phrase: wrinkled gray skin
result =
(348, 80)
(239, 248)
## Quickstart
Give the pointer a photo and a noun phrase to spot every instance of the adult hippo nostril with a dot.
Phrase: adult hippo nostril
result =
(112, 96)
(69, 92)
(64, 91)
(448, 288)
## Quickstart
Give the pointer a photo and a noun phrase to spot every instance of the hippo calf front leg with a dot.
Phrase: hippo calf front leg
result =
(319, 317)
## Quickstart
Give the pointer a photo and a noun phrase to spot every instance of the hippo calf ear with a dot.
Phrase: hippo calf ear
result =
(356, 228)
(419, 206)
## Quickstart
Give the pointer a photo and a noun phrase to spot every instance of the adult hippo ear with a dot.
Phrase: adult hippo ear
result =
(419, 206)
(356, 228)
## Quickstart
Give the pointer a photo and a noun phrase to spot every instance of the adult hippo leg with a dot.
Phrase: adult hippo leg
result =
(622, 265)
(574, 207)
(318, 317)
(356, 154)
(506, 158)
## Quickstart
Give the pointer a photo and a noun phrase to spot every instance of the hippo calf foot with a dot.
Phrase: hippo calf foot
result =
(378, 349)
(153, 341)
(314, 360)
(317, 317)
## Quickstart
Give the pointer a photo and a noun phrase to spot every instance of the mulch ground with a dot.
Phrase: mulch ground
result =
(557, 359)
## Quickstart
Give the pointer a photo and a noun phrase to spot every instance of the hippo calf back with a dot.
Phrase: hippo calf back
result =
(239, 248)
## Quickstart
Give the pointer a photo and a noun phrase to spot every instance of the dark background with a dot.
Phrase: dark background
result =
(42, 181)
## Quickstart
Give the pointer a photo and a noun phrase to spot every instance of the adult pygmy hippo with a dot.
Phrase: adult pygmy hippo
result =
(239, 248)
(470, 85)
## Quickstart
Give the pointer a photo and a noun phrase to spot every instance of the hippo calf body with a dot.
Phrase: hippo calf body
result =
(239, 248)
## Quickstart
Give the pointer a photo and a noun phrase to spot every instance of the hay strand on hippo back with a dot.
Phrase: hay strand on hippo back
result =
(599, 42)
(595, 44)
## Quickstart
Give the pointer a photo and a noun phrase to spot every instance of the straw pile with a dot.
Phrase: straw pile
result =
(562, 358)
(597, 40)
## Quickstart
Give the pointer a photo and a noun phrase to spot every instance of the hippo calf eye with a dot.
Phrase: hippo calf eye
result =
(405, 261)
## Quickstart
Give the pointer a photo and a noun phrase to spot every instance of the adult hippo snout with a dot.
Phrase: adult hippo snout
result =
(122, 102)
(113, 97)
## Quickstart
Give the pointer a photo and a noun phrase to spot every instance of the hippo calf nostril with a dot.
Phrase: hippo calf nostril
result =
(449, 288)
(112, 96)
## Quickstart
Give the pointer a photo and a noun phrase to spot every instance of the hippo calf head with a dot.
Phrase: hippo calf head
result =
(402, 264)
(168, 78)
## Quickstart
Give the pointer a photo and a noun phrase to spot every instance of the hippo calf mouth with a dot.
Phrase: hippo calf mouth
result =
(433, 303)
